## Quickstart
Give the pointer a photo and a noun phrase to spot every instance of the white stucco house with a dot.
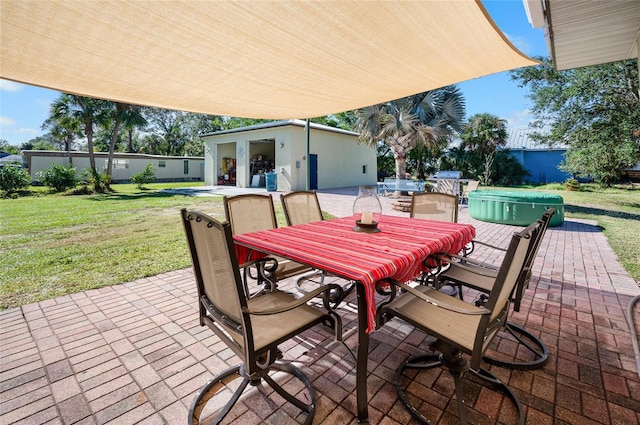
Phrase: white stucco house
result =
(243, 156)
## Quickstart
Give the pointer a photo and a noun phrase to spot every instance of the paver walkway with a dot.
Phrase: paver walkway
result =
(134, 353)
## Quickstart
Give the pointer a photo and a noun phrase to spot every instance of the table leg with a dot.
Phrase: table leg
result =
(363, 354)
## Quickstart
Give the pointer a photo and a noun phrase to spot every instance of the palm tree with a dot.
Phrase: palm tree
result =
(89, 112)
(424, 119)
(135, 119)
(63, 129)
(124, 115)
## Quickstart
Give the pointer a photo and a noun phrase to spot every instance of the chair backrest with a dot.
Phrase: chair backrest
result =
(435, 206)
(525, 273)
(220, 290)
(301, 207)
(472, 185)
(500, 295)
(450, 186)
(250, 213)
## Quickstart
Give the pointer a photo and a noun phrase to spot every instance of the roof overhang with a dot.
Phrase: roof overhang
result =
(258, 59)
(587, 32)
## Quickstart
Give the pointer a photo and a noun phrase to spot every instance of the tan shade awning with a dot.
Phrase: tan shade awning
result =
(258, 59)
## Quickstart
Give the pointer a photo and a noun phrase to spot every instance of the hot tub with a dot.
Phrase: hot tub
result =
(515, 208)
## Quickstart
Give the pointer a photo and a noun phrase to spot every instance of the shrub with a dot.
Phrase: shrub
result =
(572, 185)
(13, 178)
(59, 178)
(146, 176)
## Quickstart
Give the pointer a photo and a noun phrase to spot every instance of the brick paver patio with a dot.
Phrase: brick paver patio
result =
(135, 354)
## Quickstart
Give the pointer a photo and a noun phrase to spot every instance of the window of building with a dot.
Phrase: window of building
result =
(186, 167)
(162, 164)
(118, 163)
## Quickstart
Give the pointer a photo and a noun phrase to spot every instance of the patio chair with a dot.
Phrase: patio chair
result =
(460, 328)
(250, 213)
(301, 207)
(470, 273)
(470, 187)
(251, 327)
(434, 206)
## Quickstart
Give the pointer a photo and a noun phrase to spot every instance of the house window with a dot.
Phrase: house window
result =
(119, 163)
(186, 167)
(364, 169)
(162, 164)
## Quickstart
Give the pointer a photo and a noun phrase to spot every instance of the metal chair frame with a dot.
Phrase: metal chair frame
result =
(465, 271)
(252, 327)
(458, 326)
(250, 213)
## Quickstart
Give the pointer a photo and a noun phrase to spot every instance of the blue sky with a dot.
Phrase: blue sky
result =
(24, 108)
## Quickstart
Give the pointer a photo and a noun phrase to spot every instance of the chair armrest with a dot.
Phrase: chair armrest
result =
(463, 261)
(499, 248)
(471, 309)
(478, 270)
(294, 304)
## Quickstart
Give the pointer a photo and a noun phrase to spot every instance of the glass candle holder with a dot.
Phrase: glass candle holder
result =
(367, 208)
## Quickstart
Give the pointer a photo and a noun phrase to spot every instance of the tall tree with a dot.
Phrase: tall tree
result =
(64, 129)
(177, 128)
(483, 136)
(595, 110)
(121, 114)
(133, 120)
(7, 148)
(89, 112)
(425, 119)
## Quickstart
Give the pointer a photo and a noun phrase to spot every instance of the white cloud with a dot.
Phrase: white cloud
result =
(31, 131)
(521, 43)
(6, 121)
(519, 119)
(10, 86)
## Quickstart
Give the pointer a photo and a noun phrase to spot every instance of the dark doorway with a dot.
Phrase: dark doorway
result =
(313, 171)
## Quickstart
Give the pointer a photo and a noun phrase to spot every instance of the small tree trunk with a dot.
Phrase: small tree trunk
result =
(112, 148)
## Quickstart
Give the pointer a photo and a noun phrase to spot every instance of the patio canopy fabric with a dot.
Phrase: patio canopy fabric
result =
(257, 59)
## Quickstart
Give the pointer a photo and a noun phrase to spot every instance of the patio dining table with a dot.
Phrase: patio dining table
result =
(399, 252)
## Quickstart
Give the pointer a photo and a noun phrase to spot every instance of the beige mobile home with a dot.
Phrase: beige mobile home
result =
(125, 165)
(243, 156)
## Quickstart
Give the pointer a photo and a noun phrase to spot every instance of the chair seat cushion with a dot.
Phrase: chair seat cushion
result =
(446, 325)
(288, 268)
(278, 327)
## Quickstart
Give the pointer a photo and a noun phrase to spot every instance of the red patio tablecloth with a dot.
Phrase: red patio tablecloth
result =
(397, 252)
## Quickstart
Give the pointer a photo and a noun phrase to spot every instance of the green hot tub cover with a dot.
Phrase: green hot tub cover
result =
(515, 208)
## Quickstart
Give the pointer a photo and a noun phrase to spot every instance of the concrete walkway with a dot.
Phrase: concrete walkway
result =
(135, 354)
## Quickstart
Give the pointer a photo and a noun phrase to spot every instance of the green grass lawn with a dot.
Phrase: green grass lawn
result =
(53, 245)
(617, 211)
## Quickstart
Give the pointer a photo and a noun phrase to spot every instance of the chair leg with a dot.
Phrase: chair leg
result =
(487, 376)
(306, 276)
(221, 379)
(310, 407)
(425, 361)
(531, 343)
(219, 382)
(457, 366)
